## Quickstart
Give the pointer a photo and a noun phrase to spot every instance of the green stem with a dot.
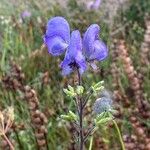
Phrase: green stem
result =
(119, 134)
(91, 143)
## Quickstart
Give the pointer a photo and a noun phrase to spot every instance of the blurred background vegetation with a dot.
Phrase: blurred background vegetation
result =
(24, 61)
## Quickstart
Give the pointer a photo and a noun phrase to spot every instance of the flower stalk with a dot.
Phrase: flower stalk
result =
(81, 136)
(119, 134)
(118, 131)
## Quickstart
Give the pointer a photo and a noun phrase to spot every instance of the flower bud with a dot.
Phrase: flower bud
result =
(80, 90)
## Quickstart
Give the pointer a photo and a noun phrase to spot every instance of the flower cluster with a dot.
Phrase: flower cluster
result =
(78, 51)
(104, 103)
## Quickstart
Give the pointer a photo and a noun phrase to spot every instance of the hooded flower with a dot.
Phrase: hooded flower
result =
(57, 35)
(74, 58)
(93, 47)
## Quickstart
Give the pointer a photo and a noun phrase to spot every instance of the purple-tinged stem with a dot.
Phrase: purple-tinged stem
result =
(81, 136)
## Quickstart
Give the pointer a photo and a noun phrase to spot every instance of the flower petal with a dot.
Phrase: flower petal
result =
(94, 49)
(82, 66)
(100, 51)
(74, 58)
(75, 49)
(80, 60)
(90, 36)
(56, 45)
(66, 70)
(75, 46)
(58, 26)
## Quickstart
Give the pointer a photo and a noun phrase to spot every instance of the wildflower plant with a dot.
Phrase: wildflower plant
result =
(79, 54)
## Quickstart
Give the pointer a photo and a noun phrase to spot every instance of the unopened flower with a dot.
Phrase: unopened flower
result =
(74, 58)
(93, 47)
(102, 104)
(57, 36)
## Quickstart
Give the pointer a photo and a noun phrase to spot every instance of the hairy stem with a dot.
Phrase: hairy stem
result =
(90, 131)
(87, 98)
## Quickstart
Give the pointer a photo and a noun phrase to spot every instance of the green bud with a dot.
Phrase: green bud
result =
(69, 117)
(103, 121)
(72, 115)
(99, 84)
(69, 93)
(99, 88)
(71, 89)
(80, 89)
(66, 117)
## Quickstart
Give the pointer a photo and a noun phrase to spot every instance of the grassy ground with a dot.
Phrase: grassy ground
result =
(25, 61)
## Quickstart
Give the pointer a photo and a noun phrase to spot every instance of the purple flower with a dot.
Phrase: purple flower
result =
(94, 4)
(26, 14)
(102, 104)
(57, 39)
(93, 47)
(74, 58)
(57, 35)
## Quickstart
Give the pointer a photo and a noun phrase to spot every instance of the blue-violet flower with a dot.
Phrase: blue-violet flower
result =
(57, 36)
(93, 47)
(74, 58)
